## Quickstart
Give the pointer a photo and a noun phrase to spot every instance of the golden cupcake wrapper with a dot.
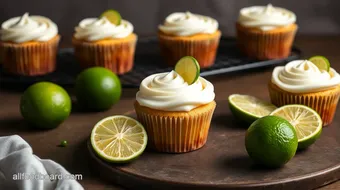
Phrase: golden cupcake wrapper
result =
(203, 48)
(176, 132)
(266, 45)
(324, 102)
(30, 58)
(116, 55)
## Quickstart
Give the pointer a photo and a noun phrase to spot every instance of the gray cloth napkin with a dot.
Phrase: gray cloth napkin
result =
(21, 169)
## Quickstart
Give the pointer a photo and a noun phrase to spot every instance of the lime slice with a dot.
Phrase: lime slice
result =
(248, 108)
(188, 68)
(306, 121)
(113, 16)
(118, 139)
(321, 62)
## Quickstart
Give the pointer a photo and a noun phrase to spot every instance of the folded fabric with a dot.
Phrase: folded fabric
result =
(21, 169)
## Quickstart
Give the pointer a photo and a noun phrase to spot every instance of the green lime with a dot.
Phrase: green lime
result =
(271, 141)
(306, 121)
(45, 105)
(113, 16)
(119, 139)
(98, 88)
(248, 108)
(188, 68)
(321, 62)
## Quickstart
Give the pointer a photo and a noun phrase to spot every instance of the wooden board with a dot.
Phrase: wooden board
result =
(223, 163)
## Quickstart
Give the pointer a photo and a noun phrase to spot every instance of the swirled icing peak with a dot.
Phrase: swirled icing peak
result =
(169, 92)
(302, 76)
(187, 24)
(28, 28)
(266, 17)
(94, 29)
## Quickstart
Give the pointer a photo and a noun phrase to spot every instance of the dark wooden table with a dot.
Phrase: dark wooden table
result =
(77, 128)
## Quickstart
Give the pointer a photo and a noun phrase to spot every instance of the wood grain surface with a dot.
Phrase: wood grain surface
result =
(77, 128)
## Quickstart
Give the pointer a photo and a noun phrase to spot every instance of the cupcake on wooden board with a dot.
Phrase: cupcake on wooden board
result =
(28, 45)
(266, 32)
(176, 109)
(302, 82)
(188, 34)
(107, 41)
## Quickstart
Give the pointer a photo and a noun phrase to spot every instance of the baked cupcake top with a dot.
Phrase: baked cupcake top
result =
(169, 92)
(94, 29)
(302, 76)
(188, 24)
(266, 17)
(28, 28)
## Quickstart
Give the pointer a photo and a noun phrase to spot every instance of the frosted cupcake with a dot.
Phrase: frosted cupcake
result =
(99, 42)
(301, 82)
(176, 115)
(28, 45)
(190, 34)
(266, 32)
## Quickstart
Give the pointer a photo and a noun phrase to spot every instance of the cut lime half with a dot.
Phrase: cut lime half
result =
(188, 68)
(321, 62)
(306, 121)
(113, 16)
(118, 139)
(248, 108)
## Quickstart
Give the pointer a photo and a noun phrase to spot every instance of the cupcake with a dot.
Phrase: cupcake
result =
(184, 34)
(266, 32)
(302, 82)
(101, 42)
(28, 45)
(176, 115)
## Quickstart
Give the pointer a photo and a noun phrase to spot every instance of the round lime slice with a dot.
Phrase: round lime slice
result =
(306, 121)
(188, 68)
(321, 62)
(248, 108)
(113, 16)
(118, 139)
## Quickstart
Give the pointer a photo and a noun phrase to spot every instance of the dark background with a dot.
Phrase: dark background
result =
(314, 17)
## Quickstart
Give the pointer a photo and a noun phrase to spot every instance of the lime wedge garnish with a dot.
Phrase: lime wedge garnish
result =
(321, 62)
(248, 108)
(118, 139)
(113, 16)
(306, 121)
(188, 68)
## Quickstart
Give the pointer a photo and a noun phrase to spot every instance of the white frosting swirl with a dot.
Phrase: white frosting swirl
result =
(169, 92)
(28, 28)
(187, 24)
(302, 76)
(94, 29)
(266, 17)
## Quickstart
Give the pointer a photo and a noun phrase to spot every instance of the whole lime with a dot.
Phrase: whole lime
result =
(45, 105)
(271, 141)
(97, 89)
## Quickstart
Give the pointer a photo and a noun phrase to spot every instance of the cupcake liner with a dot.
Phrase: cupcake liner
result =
(116, 55)
(323, 102)
(176, 132)
(203, 47)
(30, 58)
(263, 45)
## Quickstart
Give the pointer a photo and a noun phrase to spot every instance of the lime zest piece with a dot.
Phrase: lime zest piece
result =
(306, 121)
(118, 139)
(188, 68)
(63, 143)
(321, 62)
(113, 16)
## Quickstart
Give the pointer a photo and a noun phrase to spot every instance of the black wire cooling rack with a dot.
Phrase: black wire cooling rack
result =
(149, 61)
